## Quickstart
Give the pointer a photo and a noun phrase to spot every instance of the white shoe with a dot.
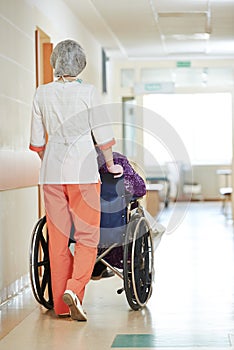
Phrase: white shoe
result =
(76, 310)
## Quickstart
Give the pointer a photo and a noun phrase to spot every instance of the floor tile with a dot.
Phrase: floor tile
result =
(170, 341)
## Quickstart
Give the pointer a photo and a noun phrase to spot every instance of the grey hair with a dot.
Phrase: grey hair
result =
(68, 58)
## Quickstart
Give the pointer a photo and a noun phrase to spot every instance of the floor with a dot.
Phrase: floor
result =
(192, 305)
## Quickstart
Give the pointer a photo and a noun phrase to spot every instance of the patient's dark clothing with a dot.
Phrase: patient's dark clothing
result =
(134, 185)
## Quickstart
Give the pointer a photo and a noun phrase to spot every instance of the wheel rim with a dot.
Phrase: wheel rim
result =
(142, 264)
(137, 281)
(40, 266)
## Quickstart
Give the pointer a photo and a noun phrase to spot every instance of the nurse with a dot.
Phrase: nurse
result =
(64, 114)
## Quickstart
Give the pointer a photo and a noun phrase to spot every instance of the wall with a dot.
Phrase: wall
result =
(19, 166)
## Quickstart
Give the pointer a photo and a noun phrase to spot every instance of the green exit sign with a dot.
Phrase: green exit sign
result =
(183, 64)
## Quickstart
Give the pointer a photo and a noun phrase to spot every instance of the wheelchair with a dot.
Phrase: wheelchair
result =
(125, 247)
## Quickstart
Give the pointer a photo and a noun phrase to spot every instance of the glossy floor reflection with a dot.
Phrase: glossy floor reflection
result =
(192, 305)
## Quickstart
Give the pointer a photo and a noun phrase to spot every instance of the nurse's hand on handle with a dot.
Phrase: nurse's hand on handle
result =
(116, 170)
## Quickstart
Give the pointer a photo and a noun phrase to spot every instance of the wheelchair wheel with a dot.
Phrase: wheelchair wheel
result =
(40, 265)
(138, 262)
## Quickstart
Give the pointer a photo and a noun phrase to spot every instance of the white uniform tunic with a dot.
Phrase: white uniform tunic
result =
(67, 113)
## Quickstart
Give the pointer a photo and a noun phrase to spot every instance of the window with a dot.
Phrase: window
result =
(127, 77)
(202, 121)
(129, 132)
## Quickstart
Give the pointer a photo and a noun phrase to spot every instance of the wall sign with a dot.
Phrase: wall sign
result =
(154, 88)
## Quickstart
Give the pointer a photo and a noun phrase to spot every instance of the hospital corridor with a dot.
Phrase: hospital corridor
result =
(116, 174)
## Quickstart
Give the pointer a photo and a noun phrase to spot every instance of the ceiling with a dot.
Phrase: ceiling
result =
(160, 29)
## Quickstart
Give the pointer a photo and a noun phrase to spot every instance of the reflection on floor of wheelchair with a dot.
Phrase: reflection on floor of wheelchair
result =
(125, 247)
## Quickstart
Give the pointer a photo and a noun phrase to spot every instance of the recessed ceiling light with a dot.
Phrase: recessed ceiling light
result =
(195, 36)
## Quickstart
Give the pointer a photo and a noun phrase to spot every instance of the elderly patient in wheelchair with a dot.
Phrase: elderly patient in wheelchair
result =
(133, 187)
(126, 246)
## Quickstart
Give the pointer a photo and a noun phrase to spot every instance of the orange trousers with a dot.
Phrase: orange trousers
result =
(64, 205)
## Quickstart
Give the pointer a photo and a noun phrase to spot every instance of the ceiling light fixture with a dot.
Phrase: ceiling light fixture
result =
(195, 36)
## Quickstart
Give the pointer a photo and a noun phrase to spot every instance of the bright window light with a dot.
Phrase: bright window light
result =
(203, 122)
